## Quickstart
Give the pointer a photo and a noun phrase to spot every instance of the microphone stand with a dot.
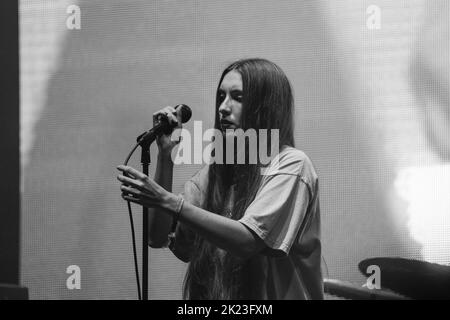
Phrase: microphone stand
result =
(145, 140)
(145, 161)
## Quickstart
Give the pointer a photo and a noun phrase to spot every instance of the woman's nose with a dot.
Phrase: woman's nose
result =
(225, 108)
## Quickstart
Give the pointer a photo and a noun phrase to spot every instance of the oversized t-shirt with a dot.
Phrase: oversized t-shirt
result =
(285, 214)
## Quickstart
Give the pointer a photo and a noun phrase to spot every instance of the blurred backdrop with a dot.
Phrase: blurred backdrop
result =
(371, 82)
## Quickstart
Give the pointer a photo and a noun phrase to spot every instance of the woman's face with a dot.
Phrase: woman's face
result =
(230, 99)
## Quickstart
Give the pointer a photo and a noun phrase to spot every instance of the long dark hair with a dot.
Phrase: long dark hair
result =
(267, 104)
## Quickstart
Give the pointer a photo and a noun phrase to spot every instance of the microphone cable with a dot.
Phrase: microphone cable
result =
(130, 214)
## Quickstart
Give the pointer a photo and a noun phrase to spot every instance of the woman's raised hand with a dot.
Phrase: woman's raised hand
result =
(139, 188)
(165, 141)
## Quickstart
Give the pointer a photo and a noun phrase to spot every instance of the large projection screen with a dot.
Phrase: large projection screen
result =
(371, 83)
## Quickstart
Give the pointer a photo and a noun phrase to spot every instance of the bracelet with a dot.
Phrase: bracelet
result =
(171, 236)
(176, 216)
(179, 206)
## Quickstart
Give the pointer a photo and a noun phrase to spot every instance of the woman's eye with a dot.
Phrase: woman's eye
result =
(238, 97)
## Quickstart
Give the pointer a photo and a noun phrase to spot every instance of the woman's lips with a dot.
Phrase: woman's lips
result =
(227, 124)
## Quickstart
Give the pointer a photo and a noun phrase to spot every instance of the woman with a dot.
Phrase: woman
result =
(244, 234)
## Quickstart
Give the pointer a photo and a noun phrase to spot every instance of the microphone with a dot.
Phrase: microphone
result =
(164, 126)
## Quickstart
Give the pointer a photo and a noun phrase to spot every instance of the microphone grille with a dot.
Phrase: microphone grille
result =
(186, 112)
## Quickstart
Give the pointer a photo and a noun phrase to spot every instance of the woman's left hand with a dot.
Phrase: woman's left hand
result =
(139, 188)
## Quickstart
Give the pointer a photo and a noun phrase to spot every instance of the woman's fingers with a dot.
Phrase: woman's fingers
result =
(136, 195)
(131, 171)
(131, 182)
(157, 115)
(134, 199)
(131, 199)
(167, 112)
(142, 182)
(141, 189)
(128, 190)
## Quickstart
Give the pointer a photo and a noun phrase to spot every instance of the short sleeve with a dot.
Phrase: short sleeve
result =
(278, 210)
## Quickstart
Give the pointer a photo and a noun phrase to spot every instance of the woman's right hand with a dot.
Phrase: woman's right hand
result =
(164, 141)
